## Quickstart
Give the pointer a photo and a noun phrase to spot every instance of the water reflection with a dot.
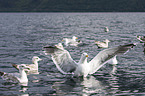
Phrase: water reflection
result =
(23, 95)
(64, 87)
(114, 68)
(35, 79)
(24, 88)
(20, 89)
(133, 84)
(92, 85)
(23, 91)
(79, 86)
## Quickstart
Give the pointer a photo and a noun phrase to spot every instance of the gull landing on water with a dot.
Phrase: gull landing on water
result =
(102, 44)
(33, 68)
(67, 65)
(20, 77)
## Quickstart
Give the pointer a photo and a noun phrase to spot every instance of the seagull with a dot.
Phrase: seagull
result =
(71, 42)
(102, 44)
(20, 77)
(106, 29)
(66, 65)
(33, 68)
(77, 43)
(141, 38)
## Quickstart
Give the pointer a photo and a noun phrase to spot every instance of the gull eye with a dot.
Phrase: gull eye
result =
(21, 66)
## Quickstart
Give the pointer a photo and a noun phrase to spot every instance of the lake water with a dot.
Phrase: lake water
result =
(22, 36)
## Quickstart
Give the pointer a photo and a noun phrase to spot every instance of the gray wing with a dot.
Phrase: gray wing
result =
(104, 56)
(61, 59)
(10, 77)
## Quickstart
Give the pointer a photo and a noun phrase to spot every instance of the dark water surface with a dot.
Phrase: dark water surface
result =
(22, 36)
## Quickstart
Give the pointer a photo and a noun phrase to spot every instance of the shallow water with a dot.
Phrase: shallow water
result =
(22, 36)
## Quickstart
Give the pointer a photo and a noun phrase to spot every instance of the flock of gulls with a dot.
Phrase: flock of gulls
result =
(65, 63)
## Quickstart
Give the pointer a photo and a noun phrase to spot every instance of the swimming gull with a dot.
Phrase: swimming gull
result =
(141, 38)
(102, 44)
(33, 68)
(67, 65)
(106, 29)
(20, 77)
(71, 42)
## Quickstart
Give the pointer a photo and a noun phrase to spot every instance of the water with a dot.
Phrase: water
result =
(22, 36)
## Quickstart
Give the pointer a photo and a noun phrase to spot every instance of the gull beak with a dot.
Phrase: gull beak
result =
(87, 55)
(2, 73)
(56, 46)
(40, 59)
(62, 40)
(15, 66)
(76, 37)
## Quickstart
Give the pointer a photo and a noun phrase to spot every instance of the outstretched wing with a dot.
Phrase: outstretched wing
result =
(104, 56)
(61, 59)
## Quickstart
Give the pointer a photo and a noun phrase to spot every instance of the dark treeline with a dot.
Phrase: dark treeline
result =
(72, 6)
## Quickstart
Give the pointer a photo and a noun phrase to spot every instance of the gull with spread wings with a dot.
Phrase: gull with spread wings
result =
(67, 65)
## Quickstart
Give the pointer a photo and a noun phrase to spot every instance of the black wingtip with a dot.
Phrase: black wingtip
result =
(1, 73)
(129, 45)
(122, 49)
(132, 45)
(48, 47)
(15, 66)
